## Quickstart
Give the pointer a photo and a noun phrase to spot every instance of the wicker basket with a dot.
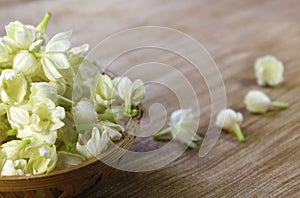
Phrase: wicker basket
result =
(71, 181)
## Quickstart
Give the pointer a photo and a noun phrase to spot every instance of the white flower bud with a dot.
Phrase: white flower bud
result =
(26, 63)
(230, 121)
(19, 36)
(43, 90)
(183, 126)
(132, 93)
(227, 118)
(95, 145)
(84, 113)
(13, 86)
(258, 102)
(103, 91)
(269, 71)
(113, 130)
(14, 168)
(35, 47)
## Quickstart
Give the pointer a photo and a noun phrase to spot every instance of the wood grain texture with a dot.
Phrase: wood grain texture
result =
(235, 33)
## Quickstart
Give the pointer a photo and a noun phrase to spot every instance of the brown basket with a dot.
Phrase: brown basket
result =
(71, 181)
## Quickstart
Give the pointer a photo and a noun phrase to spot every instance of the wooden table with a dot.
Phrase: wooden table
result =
(235, 33)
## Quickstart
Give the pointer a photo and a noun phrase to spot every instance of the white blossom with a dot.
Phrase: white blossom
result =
(54, 57)
(13, 86)
(258, 102)
(14, 167)
(84, 113)
(95, 145)
(19, 36)
(269, 71)
(26, 63)
(113, 130)
(104, 91)
(132, 93)
(183, 126)
(230, 121)
(42, 90)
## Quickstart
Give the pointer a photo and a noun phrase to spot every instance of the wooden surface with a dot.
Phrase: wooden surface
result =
(235, 33)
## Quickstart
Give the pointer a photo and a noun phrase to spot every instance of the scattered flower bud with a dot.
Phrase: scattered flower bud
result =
(269, 71)
(230, 121)
(258, 102)
(183, 126)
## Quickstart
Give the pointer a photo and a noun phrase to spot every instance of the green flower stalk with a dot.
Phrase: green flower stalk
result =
(258, 102)
(44, 23)
(12, 132)
(182, 126)
(65, 101)
(230, 121)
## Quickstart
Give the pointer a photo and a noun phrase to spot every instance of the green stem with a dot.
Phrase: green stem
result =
(128, 109)
(44, 23)
(65, 101)
(281, 105)
(12, 132)
(134, 112)
(106, 116)
(82, 127)
(24, 143)
(162, 133)
(37, 54)
(5, 67)
(69, 147)
(238, 132)
(58, 145)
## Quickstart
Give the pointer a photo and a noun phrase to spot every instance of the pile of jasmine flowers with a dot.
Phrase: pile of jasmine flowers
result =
(43, 126)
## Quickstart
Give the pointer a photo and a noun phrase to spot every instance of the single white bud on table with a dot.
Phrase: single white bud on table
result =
(230, 121)
(183, 126)
(258, 102)
(268, 71)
